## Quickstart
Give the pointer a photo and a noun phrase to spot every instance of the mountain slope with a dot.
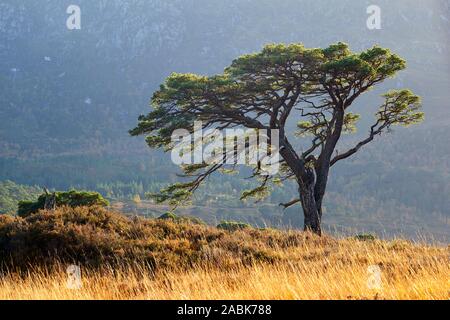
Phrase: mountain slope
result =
(68, 98)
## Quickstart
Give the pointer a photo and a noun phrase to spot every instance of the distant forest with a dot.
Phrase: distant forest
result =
(68, 100)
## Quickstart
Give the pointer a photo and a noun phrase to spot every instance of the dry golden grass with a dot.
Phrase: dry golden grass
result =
(136, 258)
(311, 269)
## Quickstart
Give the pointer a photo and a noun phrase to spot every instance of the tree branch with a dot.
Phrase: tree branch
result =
(289, 204)
(352, 151)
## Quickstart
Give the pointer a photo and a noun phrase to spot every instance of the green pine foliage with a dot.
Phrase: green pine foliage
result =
(72, 198)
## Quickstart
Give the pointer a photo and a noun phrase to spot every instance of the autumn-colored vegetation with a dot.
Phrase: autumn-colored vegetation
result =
(135, 258)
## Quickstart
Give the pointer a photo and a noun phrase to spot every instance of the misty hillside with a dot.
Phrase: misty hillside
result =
(68, 99)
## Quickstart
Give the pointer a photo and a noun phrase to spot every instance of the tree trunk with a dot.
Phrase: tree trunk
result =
(310, 210)
(50, 200)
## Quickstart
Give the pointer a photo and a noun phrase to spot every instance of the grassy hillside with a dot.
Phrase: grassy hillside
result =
(135, 258)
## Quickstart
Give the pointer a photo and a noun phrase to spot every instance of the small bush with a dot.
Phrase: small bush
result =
(72, 198)
(182, 219)
(192, 220)
(365, 237)
(169, 216)
(232, 225)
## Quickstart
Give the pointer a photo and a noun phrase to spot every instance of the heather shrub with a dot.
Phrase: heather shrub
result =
(96, 237)
(182, 219)
(232, 225)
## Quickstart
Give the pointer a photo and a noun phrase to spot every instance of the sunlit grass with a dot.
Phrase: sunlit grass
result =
(312, 269)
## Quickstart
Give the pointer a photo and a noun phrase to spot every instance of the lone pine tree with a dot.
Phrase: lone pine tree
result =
(315, 87)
